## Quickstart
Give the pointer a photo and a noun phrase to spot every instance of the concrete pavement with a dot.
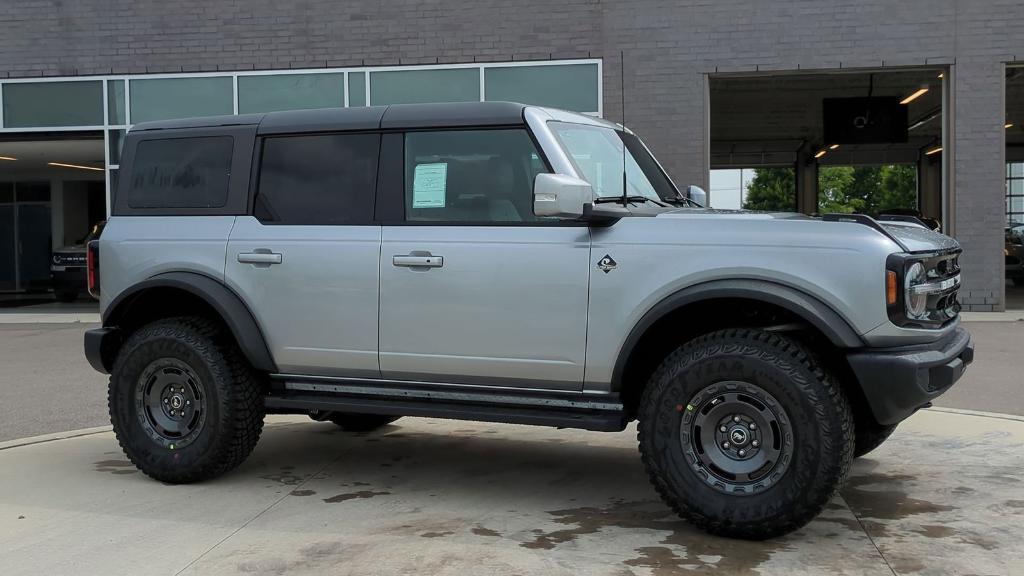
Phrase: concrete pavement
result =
(943, 496)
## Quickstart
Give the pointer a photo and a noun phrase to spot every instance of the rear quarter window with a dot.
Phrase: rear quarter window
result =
(181, 173)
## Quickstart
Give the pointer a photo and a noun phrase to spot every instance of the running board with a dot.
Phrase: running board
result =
(398, 398)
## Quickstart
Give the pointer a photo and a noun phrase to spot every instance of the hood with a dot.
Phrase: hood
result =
(914, 237)
(918, 238)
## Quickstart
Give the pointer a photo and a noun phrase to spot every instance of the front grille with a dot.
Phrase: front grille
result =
(74, 259)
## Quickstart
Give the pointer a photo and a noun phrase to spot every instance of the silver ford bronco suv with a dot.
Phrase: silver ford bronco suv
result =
(507, 263)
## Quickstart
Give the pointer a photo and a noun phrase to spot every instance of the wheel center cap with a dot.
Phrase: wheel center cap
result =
(739, 436)
(177, 401)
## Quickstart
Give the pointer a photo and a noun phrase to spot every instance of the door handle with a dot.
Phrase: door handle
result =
(418, 261)
(259, 258)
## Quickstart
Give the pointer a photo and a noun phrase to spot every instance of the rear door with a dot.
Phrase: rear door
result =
(475, 289)
(306, 261)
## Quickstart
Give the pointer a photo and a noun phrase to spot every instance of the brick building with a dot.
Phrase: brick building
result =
(75, 75)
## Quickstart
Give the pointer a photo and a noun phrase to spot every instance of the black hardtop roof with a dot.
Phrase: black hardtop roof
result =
(397, 116)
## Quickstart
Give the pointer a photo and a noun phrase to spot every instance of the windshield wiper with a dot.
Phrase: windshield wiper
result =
(627, 199)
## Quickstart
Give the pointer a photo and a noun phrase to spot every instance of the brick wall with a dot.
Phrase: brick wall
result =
(669, 48)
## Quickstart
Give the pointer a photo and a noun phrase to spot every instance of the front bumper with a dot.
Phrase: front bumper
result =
(899, 381)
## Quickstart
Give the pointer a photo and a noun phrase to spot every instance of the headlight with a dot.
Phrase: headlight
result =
(916, 302)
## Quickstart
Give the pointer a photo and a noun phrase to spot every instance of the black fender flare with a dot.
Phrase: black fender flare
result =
(223, 300)
(812, 310)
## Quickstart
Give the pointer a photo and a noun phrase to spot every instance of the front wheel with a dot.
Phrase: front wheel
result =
(744, 435)
(184, 403)
(870, 435)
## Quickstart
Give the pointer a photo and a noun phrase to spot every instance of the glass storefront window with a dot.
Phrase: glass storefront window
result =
(420, 86)
(116, 141)
(166, 98)
(40, 104)
(357, 88)
(115, 102)
(290, 92)
(571, 86)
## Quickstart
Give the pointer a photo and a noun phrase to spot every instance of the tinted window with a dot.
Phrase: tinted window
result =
(181, 173)
(322, 179)
(470, 176)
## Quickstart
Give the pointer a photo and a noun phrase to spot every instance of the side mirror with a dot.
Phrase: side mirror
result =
(560, 196)
(697, 195)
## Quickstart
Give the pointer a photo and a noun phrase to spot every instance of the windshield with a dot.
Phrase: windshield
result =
(598, 155)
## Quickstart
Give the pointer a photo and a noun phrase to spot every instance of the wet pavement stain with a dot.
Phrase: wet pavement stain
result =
(934, 531)
(314, 558)
(303, 492)
(119, 467)
(436, 534)
(286, 478)
(684, 548)
(353, 496)
(481, 531)
(881, 497)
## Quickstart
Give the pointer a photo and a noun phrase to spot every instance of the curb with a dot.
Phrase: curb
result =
(37, 318)
(53, 437)
(978, 413)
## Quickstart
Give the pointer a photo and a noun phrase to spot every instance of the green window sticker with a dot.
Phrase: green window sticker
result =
(429, 184)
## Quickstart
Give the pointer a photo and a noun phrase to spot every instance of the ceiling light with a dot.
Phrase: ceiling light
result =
(915, 95)
(80, 167)
(935, 150)
(7, 158)
(820, 153)
(941, 74)
(833, 147)
(1008, 125)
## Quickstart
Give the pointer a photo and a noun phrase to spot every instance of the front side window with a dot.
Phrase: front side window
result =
(181, 173)
(599, 156)
(318, 179)
(471, 176)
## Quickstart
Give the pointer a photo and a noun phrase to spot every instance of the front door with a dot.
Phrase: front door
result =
(474, 288)
(306, 262)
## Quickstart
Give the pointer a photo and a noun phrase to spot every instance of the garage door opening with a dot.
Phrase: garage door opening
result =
(866, 142)
(1014, 232)
(52, 192)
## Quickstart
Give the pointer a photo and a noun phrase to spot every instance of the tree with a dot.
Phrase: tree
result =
(772, 189)
(834, 183)
(899, 187)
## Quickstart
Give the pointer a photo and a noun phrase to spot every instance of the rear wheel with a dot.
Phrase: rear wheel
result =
(353, 422)
(744, 435)
(184, 403)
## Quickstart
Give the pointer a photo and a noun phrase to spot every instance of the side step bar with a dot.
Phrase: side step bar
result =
(402, 398)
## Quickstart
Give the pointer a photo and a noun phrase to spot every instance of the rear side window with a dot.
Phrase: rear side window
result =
(318, 179)
(181, 173)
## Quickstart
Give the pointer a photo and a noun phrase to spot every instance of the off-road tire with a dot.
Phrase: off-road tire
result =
(354, 422)
(870, 435)
(818, 414)
(232, 389)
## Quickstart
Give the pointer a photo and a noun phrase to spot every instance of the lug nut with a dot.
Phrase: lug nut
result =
(188, 402)
(725, 445)
(722, 429)
(743, 452)
(754, 443)
(753, 426)
(166, 401)
(735, 418)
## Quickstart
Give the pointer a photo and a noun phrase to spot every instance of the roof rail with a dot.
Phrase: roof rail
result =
(866, 221)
